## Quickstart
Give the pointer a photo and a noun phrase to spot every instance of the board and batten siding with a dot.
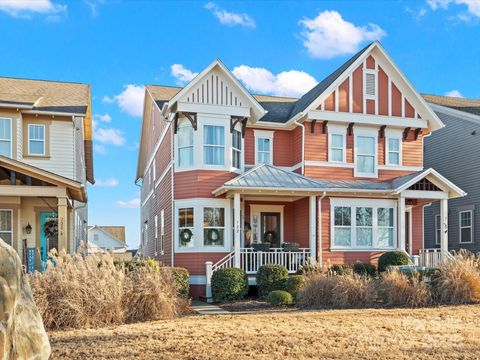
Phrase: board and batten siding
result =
(454, 152)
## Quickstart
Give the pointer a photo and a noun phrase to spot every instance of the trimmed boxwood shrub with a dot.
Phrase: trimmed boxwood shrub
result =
(294, 284)
(392, 258)
(182, 281)
(280, 298)
(364, 269)
(229, 284)
(340, 269)
(271, 277)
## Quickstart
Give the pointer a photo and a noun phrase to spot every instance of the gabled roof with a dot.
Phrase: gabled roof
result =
(471, 106)
(116, 233)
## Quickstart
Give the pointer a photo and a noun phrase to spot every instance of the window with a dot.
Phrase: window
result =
(213, 226)
(337, 148)
(393, 151)
(366, 156)
(36, 139)
(214, 145)
(186, 227)
(263, 151)
(372, 225)
(437, 229)
(162, 232)
(185, 144)
(236, 149)
(466, 226)
(6, 137)
(145, 233)
(6, 226)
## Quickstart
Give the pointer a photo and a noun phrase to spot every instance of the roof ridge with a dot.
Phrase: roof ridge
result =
(43, 80)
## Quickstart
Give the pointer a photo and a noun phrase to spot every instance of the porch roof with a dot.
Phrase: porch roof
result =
(265, 178)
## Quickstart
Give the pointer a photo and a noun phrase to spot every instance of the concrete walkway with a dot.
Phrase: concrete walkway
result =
(204, 308)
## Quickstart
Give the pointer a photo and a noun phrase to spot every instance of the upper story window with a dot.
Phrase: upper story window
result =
(236, 149)
(466, 226)
(214, 145)
(6, 137)
(337, 143)
(263, 147)
(36, 139)
(185, 144)
(366, 154)
(393, 147)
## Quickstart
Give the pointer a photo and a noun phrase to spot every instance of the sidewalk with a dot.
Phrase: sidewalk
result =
(204, 308)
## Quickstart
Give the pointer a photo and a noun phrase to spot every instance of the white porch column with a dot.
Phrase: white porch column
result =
(444, 226)
(208, 275)
(237, 228)
(401, 223)
(313, 227)
(62, 224)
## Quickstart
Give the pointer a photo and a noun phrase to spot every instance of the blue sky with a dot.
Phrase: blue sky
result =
(280, 48)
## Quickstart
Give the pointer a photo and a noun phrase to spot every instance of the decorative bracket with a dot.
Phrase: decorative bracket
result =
(312, 126)
(417, 132)
(234, 120)
(405, 133)
(324, 126)
(382, 131)
(192, 117)
(350, 129)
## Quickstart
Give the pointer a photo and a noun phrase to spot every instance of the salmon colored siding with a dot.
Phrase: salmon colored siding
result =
(396, 101)
(199, 183)
(409, 110)
(371, 63)
(330, 102)
(282, 147)
(301, 234)
(297, 145)
(350, 148)
(370, 106)
(334, 173)
(194, 262)
(343, 96)
(382, 92)
(249, 142)
(412, 151)
(358, 90)
(316, 144)
(381, 150)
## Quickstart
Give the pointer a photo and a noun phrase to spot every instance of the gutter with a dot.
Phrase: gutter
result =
(53, 113)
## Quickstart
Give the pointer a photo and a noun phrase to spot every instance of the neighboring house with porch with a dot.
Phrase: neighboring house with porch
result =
(454, 151)
(231, 179)
(102, 239)
(45, 163)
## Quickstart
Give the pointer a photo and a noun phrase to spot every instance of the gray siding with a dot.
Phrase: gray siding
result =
(454, 152)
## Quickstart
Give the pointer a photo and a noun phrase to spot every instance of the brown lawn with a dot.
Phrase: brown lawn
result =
(434, 333)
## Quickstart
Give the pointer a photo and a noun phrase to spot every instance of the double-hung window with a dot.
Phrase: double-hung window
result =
(385, 229)
(342, 226)
(186, 227)
(214, 145)
(337, 148)
(393, 151)
(237, 149)
(213, 226)
(36, 139)
(263, 151)
(6, 137)
(366, 156)
(364, 226)
(466, 226)
(6, 230)
(185, 144)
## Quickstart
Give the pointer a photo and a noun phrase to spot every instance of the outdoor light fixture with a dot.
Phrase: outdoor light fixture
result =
(28, 229)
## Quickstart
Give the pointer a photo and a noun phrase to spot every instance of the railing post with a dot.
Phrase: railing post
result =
(209, 273)
(443, 226)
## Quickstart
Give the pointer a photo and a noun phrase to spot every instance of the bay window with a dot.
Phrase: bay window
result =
(213, 226)
(371, 228)
(236, 149)
(214, 145)
(185, 144)
(6, 137)
(186, 227)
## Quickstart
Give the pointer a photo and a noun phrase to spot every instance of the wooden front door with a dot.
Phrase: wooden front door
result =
(270, 228)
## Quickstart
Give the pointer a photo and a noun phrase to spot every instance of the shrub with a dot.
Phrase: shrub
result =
(392, 258)
(182, 281)
(271, 277)
(309, 267)
(229, 284)
(365, 269)
(294, 284)
(280, 298)
(458, 281)
(317, 291)
(398, 289)
(131, 265)
(340, 269)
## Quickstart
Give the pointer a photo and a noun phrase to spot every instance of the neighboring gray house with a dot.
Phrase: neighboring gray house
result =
(454, 151)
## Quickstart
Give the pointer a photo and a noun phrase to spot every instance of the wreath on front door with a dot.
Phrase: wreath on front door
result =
(186, 236)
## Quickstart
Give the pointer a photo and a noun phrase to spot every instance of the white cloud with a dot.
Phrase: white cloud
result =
(454, 93)
(230, 18)
(473, 6)
(329, 35)
(182, 74)
(103, 118)
(106, 182)
(26, 8)
(130, 204)
(292, 83)
(100, 149)
(107, 135)
(130, 100)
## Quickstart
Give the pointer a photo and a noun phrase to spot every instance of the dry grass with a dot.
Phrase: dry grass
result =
(397, 289)
(429, 333)
(317, 291)
(92, 292)
(458, 282)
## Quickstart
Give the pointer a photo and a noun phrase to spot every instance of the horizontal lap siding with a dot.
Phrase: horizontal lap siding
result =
(163, 157)
(334, 173)
(301, 234)
(194, 262)
(249, 146)
(412, 152)
(316, 144)
(163, 201)
(297, 139)
(287, 147)
(199, 183)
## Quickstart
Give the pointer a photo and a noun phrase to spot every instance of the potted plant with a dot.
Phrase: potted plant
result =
(261, 247)
(291, 246)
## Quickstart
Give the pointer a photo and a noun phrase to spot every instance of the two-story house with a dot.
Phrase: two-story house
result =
(45, 162)
(231, 179)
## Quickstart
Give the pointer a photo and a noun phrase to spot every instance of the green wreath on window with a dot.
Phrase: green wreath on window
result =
(213, 235)
(186, 236)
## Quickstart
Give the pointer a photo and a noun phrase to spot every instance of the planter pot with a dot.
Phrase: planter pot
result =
(291, 247)
(261, 247)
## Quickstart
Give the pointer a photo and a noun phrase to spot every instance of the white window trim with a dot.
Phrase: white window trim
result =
(198, 205)
(11, 134)
(156, 227)
(263, 134)
(224, 146)
(460, 227)
(393, 134)
(255, 211)
(372, 72)
(353, 204)
(437, 240)
(38, 140)
(334, 129)
(367, 132)
(234, 149)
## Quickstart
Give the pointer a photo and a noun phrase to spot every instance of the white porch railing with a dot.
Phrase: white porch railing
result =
(251, 260)
(433, 257)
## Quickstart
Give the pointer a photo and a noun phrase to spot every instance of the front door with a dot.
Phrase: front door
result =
(270, 228)
(48, 233)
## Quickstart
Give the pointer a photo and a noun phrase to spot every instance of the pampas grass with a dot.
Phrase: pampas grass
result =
(398, 289)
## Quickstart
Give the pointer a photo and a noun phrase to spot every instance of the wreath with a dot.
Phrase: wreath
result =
(213, 235)
(186, 236)
(269, 236)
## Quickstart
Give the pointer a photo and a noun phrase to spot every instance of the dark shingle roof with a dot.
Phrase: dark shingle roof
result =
(471, 106)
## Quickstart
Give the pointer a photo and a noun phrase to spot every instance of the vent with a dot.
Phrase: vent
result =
(370, 84)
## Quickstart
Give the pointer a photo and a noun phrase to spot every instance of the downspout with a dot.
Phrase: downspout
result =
(303, 145)
(319, 219)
